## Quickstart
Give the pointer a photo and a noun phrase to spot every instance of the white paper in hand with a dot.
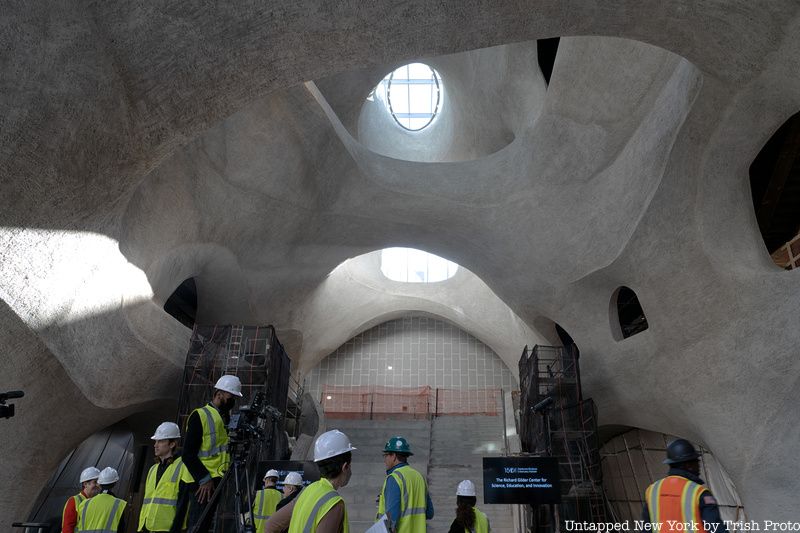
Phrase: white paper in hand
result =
(381, 526)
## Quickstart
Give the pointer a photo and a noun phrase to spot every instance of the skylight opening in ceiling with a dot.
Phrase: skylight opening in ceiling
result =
(415, 266)
(412, 94)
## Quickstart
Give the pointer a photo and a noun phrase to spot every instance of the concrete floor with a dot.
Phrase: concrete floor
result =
(145, 143)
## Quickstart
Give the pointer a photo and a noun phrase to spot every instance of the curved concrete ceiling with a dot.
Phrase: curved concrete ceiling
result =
(144, 144)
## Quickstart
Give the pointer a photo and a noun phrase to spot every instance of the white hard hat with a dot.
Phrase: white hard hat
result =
(466, 488)
(89, 473)
(293, 478)
(108, 476)
(271, 473)
(330, 444)
(167, 430)
(231, 384)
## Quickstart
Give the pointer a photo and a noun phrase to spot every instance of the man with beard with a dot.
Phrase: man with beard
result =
(205, 449)
(319, 508)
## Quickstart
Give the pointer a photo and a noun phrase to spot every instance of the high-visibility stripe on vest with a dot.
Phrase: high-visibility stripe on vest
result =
(100, 514)
(676, 499)
(413, 502)
(161, 499)
(313, 504)
(481, 522)
(214, 448)
(264, 507)
(78, 498)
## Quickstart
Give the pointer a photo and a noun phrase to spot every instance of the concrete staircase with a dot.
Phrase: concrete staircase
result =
(458, 444)
(369, 436)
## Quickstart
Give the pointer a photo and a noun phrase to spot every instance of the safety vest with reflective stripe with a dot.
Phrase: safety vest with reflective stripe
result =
(161, 499)
(481, 522)
(100, 514)
(413, 502)
(266, 502)
(79, 499)
(313, 504)
(214, 448)
(676, 499)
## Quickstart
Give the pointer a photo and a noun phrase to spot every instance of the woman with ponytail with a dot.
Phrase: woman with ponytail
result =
(468, 518)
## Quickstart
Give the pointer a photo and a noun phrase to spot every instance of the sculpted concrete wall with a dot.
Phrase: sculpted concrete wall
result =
(144, 144)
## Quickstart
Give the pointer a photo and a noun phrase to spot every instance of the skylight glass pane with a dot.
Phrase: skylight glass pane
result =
(394, 263)
(413, 95)
(415, 266)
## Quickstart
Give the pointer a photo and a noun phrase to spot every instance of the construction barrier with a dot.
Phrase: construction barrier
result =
(376, 401)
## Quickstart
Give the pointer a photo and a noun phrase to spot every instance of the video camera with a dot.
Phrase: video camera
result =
(7, 411)
(245, 426)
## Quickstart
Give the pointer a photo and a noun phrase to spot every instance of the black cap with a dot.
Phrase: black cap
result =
(680, 451)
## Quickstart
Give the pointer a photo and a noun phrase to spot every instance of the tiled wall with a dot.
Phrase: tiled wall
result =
(421, 351)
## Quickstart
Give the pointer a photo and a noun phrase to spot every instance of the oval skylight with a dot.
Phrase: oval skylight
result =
(415, 266)
(413, 95)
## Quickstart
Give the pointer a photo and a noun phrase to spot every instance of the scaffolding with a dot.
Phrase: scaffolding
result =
(294, 407)
(255, 355)
(556, 421)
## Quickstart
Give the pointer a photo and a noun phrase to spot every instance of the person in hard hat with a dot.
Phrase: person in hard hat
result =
(319, 508)
(205, 449)
(469, 519)
(266, 500)
(89, 488)
(167, 481)
(682, 497)
(292, 486)
(404, 497)
(103, 512)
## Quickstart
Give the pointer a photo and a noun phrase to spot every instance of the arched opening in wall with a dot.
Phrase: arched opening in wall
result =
(182, 303)
(775, 185)
(114, 446)
(566, 338)
(632, 459)
(416, 366)
(626, 314)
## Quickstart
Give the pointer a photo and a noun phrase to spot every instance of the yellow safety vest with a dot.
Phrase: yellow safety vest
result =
(266, 502)
(673, 502)
(313, 504)
(481, 522)
(161, 499)
(413, 503)
(79, 499)
(100, 514)
(214, 448)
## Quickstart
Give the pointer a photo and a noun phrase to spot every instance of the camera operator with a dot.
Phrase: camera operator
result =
(205, 449)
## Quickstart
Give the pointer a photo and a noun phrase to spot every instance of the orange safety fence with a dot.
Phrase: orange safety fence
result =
(468, 402)
(375, 401)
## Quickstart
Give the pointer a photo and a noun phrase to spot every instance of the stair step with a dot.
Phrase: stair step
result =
(447, 450)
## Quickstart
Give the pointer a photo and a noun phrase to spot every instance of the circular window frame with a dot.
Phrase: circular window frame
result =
(438, 83)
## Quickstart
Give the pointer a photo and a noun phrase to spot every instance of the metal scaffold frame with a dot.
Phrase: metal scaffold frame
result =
(556, 421)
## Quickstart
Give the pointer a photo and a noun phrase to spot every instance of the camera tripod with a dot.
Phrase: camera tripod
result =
(238, 464)
(247, 437)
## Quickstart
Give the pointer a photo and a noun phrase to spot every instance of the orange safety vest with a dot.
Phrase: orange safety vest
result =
(676, 499)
